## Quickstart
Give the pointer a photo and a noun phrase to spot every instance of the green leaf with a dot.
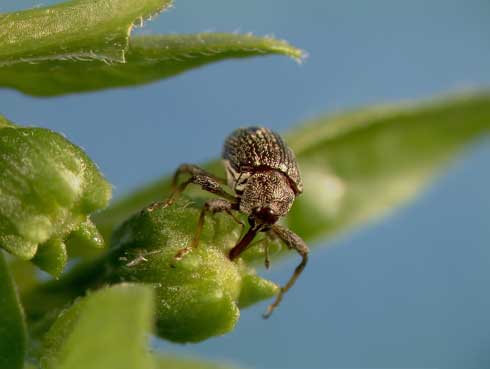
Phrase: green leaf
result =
(51, 256)
(78, 30)
(175, 362)
(360, 166)
(148, 59)
(84, 45)
(107, 329)
(4, 122)
(48, 186)
(24, 273)
(13, 335)
(356, 166)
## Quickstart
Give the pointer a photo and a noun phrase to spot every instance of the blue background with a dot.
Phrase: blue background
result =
(409, 291)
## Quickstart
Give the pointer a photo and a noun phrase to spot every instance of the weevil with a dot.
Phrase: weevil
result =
(263, 174)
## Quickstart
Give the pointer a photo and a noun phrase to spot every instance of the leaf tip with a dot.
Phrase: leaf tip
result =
(285, 48)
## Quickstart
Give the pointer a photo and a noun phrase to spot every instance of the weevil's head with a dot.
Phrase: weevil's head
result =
(267, 196)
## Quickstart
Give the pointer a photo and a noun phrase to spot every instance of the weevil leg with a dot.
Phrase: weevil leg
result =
(212, 206)
(269, 237)
(293, 241)
(193, 170)
(142, 257)
(267, 260)
(207, 181)
(272, 237)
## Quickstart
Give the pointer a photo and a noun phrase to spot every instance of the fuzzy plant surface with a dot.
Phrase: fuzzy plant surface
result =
(86, 45)
(49, 187)
(124, 283)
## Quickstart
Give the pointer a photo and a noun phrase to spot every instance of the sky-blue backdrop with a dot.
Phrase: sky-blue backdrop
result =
(410, 291)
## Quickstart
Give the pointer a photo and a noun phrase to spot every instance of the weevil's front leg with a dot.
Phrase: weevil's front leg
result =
(207, 181)
(271, 237)
(293, 241)
(212, 206)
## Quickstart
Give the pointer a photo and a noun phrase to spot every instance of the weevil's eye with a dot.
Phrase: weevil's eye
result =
(265, 215)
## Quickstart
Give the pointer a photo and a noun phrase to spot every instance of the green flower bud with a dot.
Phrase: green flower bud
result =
(198, 296)
(48, 187)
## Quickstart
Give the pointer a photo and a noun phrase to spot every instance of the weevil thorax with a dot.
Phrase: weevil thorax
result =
(266, 197)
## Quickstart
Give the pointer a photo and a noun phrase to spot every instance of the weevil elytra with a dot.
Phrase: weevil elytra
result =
(263, 173)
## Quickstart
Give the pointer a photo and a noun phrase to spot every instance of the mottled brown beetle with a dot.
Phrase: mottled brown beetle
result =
(263, 173)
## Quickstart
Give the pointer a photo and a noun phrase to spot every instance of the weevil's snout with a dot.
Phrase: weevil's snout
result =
(263, 216)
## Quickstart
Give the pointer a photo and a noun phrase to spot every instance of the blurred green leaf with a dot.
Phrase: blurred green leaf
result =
(12, 327)
(74, 30)
(175, 362)
(362, 165)
(4, 122)
(356, 166)
(106, 329)
(148, 59)
(48, 186)
(24, 273)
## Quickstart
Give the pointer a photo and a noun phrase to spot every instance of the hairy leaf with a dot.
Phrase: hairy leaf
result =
(107, 329)
(147, 59)
(356, 166)
(48, 187)
(12, 327)
(74, 30)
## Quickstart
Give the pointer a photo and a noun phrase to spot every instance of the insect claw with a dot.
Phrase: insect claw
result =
(158, 205)
(168, 203)
(268, 313)
(181, 253)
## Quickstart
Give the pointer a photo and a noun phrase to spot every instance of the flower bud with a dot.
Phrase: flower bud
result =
(48, 187)
(198, 296)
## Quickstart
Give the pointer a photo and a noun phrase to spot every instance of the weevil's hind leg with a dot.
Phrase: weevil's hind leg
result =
(212, 206)
(293, 241)
(199, 176)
